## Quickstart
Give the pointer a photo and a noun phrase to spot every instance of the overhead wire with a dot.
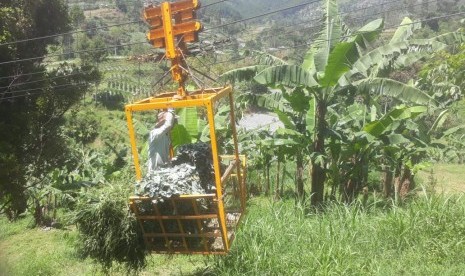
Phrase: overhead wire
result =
(388, 27)
(238, 59)
(308, 44)
(262, 15)
(42, 90)
(348, 12)
(74, 52)
(128, 44)
(282, 48)
(211, 4)
(131, 44)
(41, 80)
(69, 33)
(89, 29)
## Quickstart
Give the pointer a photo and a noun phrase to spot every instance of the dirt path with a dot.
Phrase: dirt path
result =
(263, 120)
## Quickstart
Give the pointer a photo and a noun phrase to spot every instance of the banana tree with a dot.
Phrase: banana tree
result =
(325, 73)
(339, 63)
(402, 141)
(295, 111)
(349, 149)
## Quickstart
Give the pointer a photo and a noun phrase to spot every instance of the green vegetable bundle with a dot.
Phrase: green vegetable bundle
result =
(108, 232)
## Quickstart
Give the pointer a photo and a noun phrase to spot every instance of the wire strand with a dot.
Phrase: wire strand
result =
(290, 47)
(89, 29)
(130, 44)
(261, 15)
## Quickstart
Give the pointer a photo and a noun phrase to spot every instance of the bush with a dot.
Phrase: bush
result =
(108, 231)
(82, 126)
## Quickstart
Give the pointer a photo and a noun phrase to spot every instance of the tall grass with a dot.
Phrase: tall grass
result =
(425, 237)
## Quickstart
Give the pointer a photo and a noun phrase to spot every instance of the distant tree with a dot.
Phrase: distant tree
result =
(447, 6)
(121, 5)
(76, 15)
(91, 26)
(92, 50)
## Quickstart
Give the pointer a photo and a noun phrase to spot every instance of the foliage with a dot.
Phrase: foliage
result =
(76, 15)
(422, 238)
(343, 67)
(81, 127)
(190, 172)
(108, 231)
(92, 50)
(32, 108)
(443, 76)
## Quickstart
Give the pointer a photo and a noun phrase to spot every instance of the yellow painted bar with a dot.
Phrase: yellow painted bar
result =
(186, 235)
(132, 137)
(227, 90)
(168, 27)
(179, 29)
(168, 102)
(184, 5)
(190, 252)
(216, 165)
(198, 94)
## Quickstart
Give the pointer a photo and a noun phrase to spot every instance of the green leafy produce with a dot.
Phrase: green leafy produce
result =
(171, 181)
(108, 232)
(190, 172)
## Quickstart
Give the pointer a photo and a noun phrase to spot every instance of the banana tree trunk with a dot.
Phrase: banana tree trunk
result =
(387, 182)
(267, 179)
(281, 193)
(300, 177)
(318, 172)
(404, 183)
(278, 171)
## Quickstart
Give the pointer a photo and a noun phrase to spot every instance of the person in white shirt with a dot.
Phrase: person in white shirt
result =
(159, 140)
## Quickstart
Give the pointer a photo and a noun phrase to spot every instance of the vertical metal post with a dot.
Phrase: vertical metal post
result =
(236, 148)
(168, 28)
(172, 51)
(132, 137)
(216, 165)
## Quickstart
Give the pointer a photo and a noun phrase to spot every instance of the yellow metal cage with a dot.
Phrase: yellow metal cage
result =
(193, 224)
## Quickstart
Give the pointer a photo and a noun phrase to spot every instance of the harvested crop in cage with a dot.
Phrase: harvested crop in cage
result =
(190, 172)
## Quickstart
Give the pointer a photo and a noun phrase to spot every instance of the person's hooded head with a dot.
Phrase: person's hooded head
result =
(161, 118)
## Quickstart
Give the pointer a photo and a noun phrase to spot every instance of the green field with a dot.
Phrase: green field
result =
(425, 237)
(42, 251)
(448, 178)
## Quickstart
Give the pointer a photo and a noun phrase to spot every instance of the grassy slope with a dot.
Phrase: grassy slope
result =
(26, 251)
(448, 178)
(426, 237)
(340, 242)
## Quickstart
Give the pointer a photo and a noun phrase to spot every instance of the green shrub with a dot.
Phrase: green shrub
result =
(83, 127)
(108, 231)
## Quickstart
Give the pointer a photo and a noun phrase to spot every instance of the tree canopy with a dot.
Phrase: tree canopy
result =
(33, 99)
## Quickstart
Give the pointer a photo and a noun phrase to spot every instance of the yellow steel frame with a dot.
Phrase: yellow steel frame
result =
(164, 33)
(207, 99)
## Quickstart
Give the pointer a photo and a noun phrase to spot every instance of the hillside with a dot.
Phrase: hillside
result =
(353, 148)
